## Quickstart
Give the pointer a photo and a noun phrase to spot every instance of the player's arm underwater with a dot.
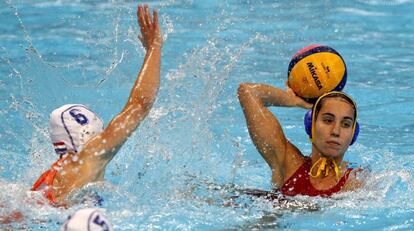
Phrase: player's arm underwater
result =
(265, 130)
(142, 96)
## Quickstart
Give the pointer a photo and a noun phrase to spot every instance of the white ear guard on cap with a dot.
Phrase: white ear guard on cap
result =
(86, 219)
(71, 126)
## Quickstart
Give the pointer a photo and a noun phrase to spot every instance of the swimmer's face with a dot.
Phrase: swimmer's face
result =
(333, 129)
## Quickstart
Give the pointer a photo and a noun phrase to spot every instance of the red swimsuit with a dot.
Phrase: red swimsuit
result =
(45, 185)
(299, 183)
(45, 182)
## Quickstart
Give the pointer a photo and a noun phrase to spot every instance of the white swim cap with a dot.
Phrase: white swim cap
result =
(85, 220)
(71, 126)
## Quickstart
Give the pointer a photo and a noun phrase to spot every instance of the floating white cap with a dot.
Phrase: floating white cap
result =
(71, 126)
(86, 220)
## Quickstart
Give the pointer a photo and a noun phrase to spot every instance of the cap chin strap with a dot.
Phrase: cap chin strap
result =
(325, 165)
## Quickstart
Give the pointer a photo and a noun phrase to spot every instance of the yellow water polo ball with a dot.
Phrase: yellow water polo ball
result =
(316, 70)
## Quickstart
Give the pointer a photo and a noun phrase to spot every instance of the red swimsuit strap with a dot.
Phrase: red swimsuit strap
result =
(45, 181)
(338, 186)
(299, 182)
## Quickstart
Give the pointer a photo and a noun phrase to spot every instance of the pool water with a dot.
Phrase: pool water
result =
(192, 153)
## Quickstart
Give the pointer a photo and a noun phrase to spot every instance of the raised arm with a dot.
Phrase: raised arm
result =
(142, 96)
(266, 131)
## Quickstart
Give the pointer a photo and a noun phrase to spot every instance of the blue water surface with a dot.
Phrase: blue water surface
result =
(185, 160)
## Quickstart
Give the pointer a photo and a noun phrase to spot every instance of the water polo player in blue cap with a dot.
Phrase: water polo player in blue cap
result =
(331, 126)
(83, 145)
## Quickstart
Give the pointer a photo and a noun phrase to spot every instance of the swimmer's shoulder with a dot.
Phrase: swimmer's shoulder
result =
(355, 168)
(357, 176)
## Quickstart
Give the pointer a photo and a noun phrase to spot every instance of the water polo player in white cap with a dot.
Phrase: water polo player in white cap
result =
(86, 220)
(84, 146)
(331, 125)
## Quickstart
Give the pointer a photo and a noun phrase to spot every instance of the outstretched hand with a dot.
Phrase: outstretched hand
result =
(150, 29)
